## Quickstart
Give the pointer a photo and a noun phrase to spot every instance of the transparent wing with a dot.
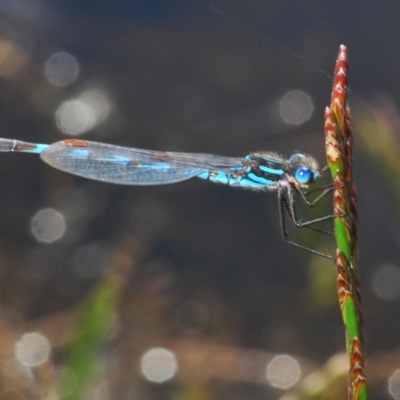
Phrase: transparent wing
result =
(130, 166)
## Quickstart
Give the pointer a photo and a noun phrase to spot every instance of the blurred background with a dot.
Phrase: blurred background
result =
(187, 291)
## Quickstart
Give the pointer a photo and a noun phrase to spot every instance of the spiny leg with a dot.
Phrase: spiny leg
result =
(325, 191)
(289, 205)
(290, 209)
(328, 187)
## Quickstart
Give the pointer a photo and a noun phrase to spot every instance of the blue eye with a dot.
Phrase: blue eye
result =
(303, 175)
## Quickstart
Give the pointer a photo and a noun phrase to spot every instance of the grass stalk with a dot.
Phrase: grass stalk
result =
(338, 141)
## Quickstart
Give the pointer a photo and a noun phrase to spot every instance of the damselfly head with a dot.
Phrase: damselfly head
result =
(304, 168)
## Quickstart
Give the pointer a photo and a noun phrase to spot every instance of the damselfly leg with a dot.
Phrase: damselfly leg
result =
(325, 190)
(287, 205)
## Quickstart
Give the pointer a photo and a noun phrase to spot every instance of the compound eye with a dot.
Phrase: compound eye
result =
(303, 175)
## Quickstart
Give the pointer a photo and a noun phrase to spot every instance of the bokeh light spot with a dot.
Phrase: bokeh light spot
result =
(61, 69)
(32, 350)
(394, 384)
(159, 365)
(98, 103)
(48, 225)
(283, 372)
(76, 116)
(296, 107)
(386, 282)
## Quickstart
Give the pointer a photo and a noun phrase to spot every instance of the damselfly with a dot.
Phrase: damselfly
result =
(263, 171)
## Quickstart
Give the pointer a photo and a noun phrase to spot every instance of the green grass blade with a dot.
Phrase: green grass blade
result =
(338, 139)
(93, 321)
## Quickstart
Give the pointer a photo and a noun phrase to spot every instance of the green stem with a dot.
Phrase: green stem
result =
(338, 140)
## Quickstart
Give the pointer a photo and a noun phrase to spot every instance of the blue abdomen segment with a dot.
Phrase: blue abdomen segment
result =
(254, 172)
(247, 180)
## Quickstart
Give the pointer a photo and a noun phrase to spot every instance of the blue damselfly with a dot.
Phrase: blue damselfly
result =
(260, 171)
